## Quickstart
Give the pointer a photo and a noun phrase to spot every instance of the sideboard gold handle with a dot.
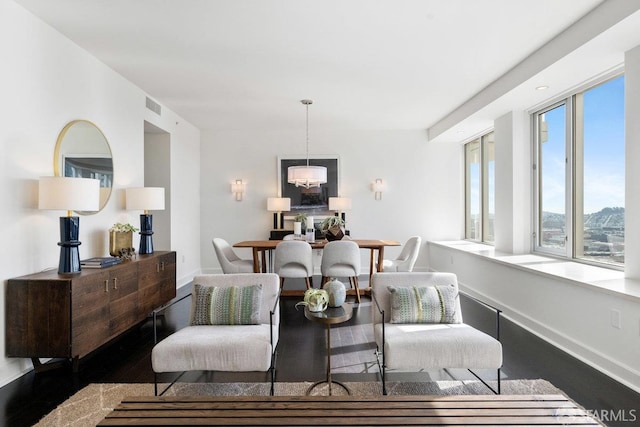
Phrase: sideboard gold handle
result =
(162, 264)
(157, 268)
(106, 286)
(115, 283)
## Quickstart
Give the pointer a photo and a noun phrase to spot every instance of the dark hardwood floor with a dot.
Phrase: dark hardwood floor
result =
(301, 357)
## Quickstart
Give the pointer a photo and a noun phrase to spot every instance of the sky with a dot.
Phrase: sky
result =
(603, 154)
(603, 151)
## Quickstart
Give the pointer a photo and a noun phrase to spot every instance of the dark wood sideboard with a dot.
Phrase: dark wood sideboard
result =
(51, 315)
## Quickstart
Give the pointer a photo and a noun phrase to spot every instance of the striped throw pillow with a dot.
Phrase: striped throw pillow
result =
(426, 304)
(234, 305)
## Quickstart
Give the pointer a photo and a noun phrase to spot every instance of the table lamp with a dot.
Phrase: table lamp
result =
(340, 204)
(277, 205)
(70, 194)
(146, 199)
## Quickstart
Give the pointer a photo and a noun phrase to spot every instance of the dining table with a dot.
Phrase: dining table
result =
(261, 247)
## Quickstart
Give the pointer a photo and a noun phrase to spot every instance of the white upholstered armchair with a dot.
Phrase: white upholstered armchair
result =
(234, 326)
(418, 324)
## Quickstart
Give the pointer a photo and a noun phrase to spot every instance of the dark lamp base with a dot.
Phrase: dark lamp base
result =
(146, 234)
(69, 254)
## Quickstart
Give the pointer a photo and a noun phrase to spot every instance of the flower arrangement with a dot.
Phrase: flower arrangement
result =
(119, 227)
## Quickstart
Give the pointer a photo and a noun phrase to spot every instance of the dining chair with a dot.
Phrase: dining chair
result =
(293, 259)
(341, 258)
(229, 261)
(407, 258)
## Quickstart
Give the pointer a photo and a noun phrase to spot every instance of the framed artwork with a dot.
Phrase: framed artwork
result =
(311, 201)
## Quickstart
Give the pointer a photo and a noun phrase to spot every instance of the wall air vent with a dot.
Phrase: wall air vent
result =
(154, 106)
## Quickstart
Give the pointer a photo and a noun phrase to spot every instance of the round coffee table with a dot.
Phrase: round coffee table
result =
(331, 316)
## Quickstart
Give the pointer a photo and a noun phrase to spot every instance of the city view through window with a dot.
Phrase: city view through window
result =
(595, 197)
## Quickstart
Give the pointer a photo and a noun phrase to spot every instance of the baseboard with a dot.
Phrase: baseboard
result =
(621, 373)
(186, 278)
(216, 270)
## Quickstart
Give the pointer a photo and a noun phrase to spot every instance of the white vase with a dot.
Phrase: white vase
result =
(297, 230)
(337, 292)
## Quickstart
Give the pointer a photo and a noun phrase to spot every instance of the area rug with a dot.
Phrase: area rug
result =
(91, 404)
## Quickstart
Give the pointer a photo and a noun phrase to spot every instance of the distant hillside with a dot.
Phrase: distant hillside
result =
(612, 218)
(607, 218)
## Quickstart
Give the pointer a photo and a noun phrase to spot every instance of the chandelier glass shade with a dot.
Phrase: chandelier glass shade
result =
(307, 176)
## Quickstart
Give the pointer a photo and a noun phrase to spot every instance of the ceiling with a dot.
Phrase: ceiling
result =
(366, 64)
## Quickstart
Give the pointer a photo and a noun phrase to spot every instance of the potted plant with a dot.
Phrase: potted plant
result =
(332, 227)
(121, 238)
(315, 299)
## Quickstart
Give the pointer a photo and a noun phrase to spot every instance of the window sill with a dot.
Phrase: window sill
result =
(594, 277)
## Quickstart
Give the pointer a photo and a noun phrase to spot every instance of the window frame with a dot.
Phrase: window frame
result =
(483, 222)
(537, 168)
(574, 174)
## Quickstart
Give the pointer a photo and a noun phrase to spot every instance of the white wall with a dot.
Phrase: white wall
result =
(157, 173)
(512, 223)
(47, 81)
(184, 191)
(422, 178)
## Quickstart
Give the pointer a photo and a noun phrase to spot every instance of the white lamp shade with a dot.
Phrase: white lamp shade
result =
(145, 198)
(307, 176)
(339, 203)
(278, 204)
(69, 194)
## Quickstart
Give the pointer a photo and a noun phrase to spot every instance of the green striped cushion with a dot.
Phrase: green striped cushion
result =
(234, 305)
(426, 304)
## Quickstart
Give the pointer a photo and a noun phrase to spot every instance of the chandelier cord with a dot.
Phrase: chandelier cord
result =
(307, 105)
(307, 176)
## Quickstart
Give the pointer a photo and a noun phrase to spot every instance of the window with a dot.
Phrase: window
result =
(580, 175)
(479, 157)
(552, 172)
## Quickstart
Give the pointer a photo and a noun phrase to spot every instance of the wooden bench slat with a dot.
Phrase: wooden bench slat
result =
(377, 421)
(345, 405)
(266, 413)
(349, 399)
(469, 410)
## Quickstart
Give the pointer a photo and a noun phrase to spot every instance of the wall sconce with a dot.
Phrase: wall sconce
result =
(69, 194)
(340, 204)
(378, 187)
(277, 205)
(146, 199)
(237, 188)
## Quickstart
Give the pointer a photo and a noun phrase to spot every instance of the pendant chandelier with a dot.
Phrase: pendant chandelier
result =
(307, 176)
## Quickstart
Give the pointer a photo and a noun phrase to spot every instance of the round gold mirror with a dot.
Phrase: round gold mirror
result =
(83, 151)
